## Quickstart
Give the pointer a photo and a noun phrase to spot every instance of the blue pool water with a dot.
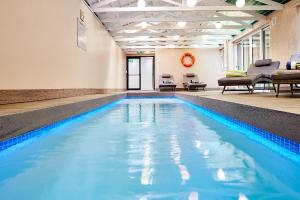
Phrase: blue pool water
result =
(148, 149)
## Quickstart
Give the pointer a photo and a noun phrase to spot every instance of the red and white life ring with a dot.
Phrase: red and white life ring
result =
(183, 59)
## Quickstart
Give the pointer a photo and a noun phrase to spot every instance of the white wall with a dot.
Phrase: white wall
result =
(208, 65)
(39, 48)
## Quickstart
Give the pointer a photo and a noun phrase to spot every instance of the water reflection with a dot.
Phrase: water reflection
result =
(193, 196)
(147, 171)
(176, 155)
(221, 175)
(242, 197)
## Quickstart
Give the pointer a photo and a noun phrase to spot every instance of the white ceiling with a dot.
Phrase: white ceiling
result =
(124, 20)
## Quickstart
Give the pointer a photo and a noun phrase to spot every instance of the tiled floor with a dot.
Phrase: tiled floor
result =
(285, 102)
(30, 106)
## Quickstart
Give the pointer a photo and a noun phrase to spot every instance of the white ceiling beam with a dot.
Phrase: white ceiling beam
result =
(170, 19)
(116, 35)
(198, 27)
(160, 47)
(185, 8)
(151, 43)
(165, 39)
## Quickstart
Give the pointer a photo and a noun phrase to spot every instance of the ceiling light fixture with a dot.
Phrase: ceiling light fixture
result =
(191, 3)
(181, 24)
(131, 31)
(195, 45)
(205, 37)
(175, 37)
(240, 3)
(144, 25)
(219, 25)
(171, 46)
(147, 52)
(141, 3)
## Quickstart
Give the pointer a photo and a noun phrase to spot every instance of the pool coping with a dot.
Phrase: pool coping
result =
(14, 125)
(282, 124)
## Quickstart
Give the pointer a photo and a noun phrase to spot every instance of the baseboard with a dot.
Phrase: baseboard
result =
(29, 95)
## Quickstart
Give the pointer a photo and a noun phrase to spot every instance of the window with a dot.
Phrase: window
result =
(266, 43)
(239, 55)
(256, 47)
(246, 57)
(242, 59)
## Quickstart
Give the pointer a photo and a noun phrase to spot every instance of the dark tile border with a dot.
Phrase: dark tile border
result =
(283, 124)
(18, 124)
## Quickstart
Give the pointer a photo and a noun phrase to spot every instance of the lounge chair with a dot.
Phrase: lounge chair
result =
(290, 77)
(260, 72)
(166, 82)
(191, 82)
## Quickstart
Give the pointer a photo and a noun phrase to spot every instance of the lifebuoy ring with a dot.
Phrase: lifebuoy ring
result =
(192, 58)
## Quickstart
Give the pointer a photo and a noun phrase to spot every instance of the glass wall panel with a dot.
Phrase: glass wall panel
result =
(256, 47)
(246, 57)
(266, 41)
(239, 56)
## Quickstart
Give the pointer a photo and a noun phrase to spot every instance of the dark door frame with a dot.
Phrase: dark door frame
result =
(140, 77)
(127, 72)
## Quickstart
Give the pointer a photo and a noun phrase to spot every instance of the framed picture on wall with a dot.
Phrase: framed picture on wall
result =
(81, 34)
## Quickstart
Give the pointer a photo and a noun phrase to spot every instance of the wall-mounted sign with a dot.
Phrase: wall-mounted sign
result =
(81, 34)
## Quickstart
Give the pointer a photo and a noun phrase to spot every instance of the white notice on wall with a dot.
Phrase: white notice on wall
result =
(81, 34)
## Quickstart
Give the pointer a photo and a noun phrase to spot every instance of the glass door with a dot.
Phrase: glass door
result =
(133, 73)
(147, 73)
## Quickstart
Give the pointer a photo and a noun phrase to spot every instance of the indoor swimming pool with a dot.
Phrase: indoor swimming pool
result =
(144, 149)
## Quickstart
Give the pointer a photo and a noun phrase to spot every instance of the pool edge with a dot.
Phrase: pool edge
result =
(16, 125)
(279, 124)
(269, 124)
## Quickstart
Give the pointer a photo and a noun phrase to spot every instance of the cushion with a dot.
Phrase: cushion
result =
(261, 63)
(199, 84)
(168, 81)
(286, 74)
(190, 75)
(192, 81)
(166, 76)
(292, 65)
(235, 73)
(232, 81)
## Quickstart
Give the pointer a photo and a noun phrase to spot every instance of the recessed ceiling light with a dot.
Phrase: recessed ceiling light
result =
(240, 3)
(195, 45)
(175, 37)
(181, 24)
(141, 3)
(219, 25)
(191, 3)
(130, 31)
(171, 46)
(205, 37)
(144, 25)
